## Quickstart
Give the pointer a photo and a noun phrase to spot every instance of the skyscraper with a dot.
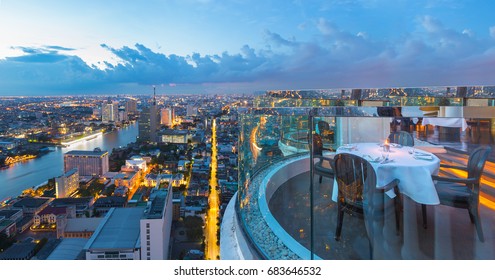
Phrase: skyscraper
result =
(131, 106)
(110, 112)
(167, 116)
(148, 122)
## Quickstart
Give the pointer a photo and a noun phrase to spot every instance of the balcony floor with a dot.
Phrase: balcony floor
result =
(450, 234)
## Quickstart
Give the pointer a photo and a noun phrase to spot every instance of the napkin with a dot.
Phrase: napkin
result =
(372, 159)
(424, 157)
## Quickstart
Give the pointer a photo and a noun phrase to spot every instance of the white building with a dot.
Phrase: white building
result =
(67, 183)
(156, 225)
(175, 136)
(110, 112)
(136, 164)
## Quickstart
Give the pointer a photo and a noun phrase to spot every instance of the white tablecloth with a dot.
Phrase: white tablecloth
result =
(414, 174)
(447, 122)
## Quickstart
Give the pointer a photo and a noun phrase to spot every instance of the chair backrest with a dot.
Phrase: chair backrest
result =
(317, 145)
(357, 188)
(403, 138)
(476, 162)
(323, 126)
(355, 177)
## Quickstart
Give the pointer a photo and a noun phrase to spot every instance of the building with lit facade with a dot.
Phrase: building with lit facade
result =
(67, 183)
(136, 163)
(110, 112)
(131, 106)
(156, 225)
(126, 179)
(282, 212)
(175, 136)
(167, 116)
(88, 163)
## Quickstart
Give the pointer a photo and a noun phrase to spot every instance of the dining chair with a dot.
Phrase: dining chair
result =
(403, 138)
(324, 166)
(463, 192)
(325, 131)
(359, 195)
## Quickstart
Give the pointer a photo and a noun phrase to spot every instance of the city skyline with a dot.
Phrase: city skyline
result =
(203, 46)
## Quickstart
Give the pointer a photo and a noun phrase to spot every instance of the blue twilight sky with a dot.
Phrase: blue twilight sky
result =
(213, 46)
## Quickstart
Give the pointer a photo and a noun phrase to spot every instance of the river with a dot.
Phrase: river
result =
(24, 175)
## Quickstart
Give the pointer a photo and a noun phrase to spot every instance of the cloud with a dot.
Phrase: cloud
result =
(492, 31)
(432, 55)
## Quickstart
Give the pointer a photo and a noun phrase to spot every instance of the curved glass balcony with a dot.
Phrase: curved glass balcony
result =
(285, 212)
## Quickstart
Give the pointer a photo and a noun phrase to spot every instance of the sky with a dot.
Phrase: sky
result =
(53, 47)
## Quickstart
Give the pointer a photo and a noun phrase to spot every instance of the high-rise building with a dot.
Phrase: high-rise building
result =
(148, 122)
(123, 116)
(88, 163)
(110, 112)
(67, 183)
(156, 224)
(167, 116)
(131, 106)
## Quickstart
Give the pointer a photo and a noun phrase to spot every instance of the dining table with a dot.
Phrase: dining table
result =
(446, 122)
(413, 167)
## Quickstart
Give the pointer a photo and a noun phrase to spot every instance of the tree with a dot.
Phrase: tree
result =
(5, 242)
(193, 225)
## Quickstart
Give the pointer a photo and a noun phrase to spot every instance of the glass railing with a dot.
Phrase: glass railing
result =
(286, 214)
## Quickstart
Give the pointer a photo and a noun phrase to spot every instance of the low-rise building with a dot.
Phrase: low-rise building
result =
(78, 228)
(103, 204)
(81, 204)
(49, 214)
(136, 163)
(126, 179)
(19, 251)
(31, 205)
(8, 227)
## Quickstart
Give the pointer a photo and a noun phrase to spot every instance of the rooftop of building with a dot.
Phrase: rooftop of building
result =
(5, 223)
(69, 173)
(174, 132)
(119, 229)
(18, 251)
(53, 210)
(158, 200)
(8, 213)
(124, 175)
(82, 224)
(57, 202)
(110, 200)
(95, 153)
(68, 249)
(30, 202)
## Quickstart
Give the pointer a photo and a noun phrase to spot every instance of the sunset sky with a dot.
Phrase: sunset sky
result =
(54, 47)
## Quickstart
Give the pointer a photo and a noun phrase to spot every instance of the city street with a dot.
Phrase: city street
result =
(212, 249)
